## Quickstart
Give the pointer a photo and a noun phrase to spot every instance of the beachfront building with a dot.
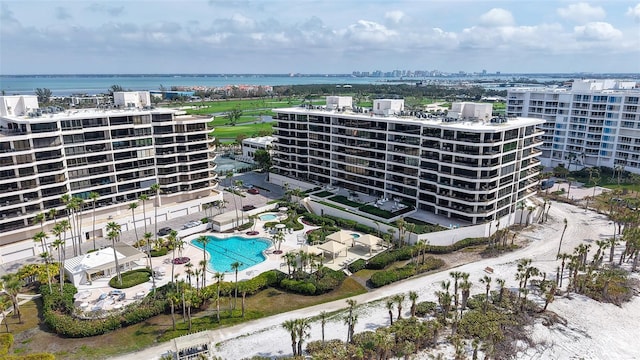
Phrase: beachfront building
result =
(591, 123)
(117, 152)
(468, 165)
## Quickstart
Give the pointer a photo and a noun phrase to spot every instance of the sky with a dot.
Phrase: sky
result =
(317, 36)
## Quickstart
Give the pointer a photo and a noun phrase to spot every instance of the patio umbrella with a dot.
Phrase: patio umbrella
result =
(340, 236)
(333, 247)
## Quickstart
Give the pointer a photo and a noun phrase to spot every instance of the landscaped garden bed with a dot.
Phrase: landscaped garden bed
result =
(181, 260)
(131, 279)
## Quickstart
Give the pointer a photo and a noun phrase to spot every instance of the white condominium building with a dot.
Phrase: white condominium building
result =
(117, 152)
(593, 123)
(468, 165)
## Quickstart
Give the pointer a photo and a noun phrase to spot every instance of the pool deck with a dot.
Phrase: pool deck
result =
(293, 242)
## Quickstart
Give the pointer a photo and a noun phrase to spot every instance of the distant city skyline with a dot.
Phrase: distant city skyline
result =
(318, 37)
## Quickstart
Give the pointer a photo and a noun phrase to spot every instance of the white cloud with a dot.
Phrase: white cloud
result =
(582, 12)
(368, 32)
(598, 31)
(634, 12)
(496, 17)
(395, 16)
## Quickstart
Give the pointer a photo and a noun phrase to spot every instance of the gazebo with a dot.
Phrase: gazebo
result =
(310, 249)
(368, 240)
(341, 236)
(333, 247)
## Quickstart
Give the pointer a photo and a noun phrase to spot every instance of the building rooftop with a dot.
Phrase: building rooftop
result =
(419, 118)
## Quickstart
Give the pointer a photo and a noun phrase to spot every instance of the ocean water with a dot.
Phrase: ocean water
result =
(63, 85)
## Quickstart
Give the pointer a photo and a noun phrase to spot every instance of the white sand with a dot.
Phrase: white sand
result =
(594, 330)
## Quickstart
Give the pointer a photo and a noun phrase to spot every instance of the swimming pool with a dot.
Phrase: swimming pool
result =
(268, 217)
(355, 236)
(224, 252)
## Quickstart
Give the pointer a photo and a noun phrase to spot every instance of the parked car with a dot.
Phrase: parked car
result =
(253, 191)
(248, 207)
(164, 231)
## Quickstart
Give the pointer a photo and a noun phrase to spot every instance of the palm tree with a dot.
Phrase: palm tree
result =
(219, 277)
(399, 298)
(278, 238)
(413, 296)
(58, 244)
(156, 189)
(144, 198)
(40, 237)
(11, 284)
(113, 234)
(52, 215)
(172, 297)
(290, 326)
(465, 288)
(171, 240)
(562, 236)
(487, 281)
(351, 319)
(188, 266)
(323, 322)
(40, 218)
(133, 206)
(5, 303)
(204, 240)
(93, 196)
(389, 304)
(302, 327)
(235, 266)
(66, 200)
(188, 301)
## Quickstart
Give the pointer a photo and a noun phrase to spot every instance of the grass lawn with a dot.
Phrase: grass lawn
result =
(222, 106)
(230, 133)
(159, 328)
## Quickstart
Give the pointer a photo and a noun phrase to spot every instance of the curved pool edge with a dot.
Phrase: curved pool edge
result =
(190, 240)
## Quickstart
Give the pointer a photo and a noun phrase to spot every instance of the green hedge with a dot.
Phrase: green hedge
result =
(357, 265)
(343, 200)
(327, 280)
(159, 252)
(298, 286)
(383, 259)
(432, 249)
(386, 277)
(57, 310)
(323, 281)
(131, 279)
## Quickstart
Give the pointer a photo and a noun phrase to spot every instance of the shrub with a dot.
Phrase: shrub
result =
(457, 246)
(383, 259)
(425, 308)
(204, 220)
(159, 252)
(57, 310)
(131, 278)
(298, 286)
(327, 280)
(357, 265)
(430, 263)
(383, 278)
(6, 340)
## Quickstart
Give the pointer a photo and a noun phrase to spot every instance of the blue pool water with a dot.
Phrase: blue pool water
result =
(224, 252)
(268, 217)
(355, 236)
